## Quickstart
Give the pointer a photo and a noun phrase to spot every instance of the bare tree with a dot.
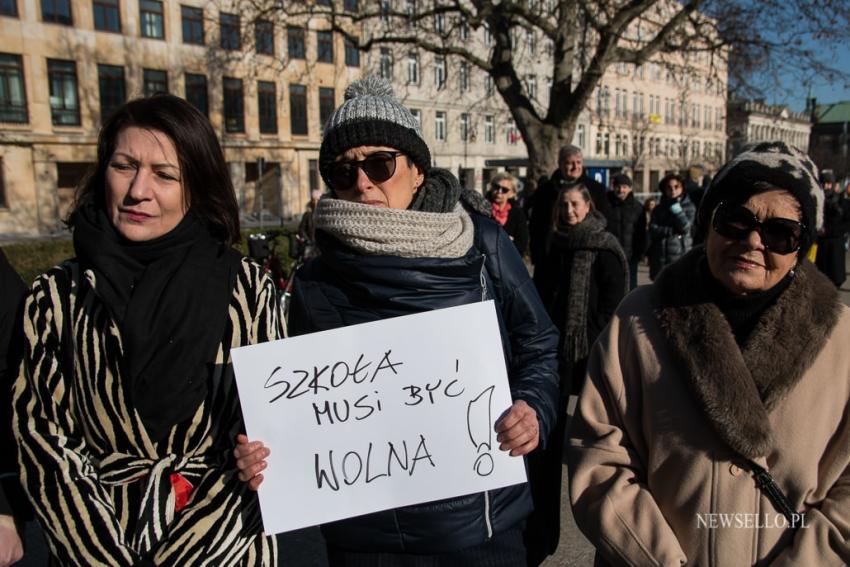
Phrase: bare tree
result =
(584, 40)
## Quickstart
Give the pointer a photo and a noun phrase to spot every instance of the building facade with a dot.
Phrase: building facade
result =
(268, 82)
(753, 121)
(829, 144)
(266, 85)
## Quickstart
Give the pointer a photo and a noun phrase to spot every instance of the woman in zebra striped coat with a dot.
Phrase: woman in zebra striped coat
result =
(126, 407)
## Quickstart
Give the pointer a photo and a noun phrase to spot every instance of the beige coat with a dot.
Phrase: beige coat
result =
(672, 409)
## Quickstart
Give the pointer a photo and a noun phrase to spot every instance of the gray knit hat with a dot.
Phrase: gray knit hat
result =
(371, 115)
(762, 166)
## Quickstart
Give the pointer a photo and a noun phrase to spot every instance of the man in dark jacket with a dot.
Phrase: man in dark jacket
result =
(570, 173)
(13, 504)
(836, 224)
(627, 222)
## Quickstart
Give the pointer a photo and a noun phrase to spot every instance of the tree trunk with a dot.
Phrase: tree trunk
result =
(543, 142)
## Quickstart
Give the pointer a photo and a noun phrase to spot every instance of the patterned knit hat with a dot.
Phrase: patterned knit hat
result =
(768, 165)
(371, 115)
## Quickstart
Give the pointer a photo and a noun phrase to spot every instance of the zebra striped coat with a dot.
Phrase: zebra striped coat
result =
(101, 488)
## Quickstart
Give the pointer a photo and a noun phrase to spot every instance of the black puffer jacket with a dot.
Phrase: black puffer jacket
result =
(627, 222)
(342, 288)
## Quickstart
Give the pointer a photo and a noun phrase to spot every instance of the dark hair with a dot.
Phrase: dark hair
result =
(559, 203)
(667, 179)
(203, 170)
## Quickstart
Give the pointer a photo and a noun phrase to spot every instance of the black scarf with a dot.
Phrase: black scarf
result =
(169, 297)
(583, 240)
(441, 191)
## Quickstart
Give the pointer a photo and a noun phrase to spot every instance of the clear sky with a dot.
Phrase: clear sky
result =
(794, 94)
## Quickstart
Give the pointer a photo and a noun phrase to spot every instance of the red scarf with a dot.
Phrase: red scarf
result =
(501, 214)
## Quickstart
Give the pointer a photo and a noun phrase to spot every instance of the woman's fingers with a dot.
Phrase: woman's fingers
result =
(518, 430)
(250, 460)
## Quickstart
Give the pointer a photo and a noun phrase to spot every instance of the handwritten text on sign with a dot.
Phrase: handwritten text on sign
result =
(379, 415)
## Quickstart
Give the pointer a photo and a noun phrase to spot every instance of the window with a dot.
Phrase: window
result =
(298, 109)
(57, 12)
(196, 92)
(385, 11)
(64, 99)
(323, 3)
(234, 107)
(324, 47)
(464, 127)
(231, 38)
(488, 35)
(581, 138)
(264, 37)
(267, 106)
(153, 24)
(440, 23)
(352, 54)
(463, 31)
(463, 76)
(413, 68)
(489, 130)
(531, 86)
(385, 64)
(512, 134)
(13, 97)
(531, 42)
(107, 16)
(9, 8)
(110, 81)
(349, 5)
(488, 84)
(440, 72)
(410, 8)
(295, 42)
(313, 174)
(193, 25)
(327, 103)
(440, 126)
(155, 81)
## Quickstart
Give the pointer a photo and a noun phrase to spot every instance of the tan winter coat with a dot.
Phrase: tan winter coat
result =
(672, 409)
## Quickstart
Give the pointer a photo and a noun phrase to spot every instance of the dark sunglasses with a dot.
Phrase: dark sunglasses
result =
(378, 167)
(781, 236)
(500, 189)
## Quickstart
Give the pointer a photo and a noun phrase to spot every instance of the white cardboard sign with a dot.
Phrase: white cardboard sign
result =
(377, 415)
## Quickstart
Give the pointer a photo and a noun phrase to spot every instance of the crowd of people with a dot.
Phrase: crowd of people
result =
(711, 420)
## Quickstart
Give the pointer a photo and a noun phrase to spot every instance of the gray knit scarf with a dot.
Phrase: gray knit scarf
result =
(437, 224)
(584, 240)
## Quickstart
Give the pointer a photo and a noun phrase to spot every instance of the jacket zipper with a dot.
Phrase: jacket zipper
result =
(487, 514)
(481, 276)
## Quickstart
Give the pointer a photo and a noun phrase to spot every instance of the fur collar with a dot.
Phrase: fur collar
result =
(737, 388)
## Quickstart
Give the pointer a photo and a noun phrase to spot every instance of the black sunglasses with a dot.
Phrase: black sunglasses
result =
(781, 236)
(378, 167)
(500, 189)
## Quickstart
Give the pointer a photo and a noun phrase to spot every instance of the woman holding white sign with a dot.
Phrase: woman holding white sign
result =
(399, 237)
(126, 407)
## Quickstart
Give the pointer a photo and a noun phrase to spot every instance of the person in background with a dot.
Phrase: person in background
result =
(670, 225)
(581, 281)
(570, 173)
(717, 400)
(398, 237)
(507, 212)
(627, 222)
(14, 509)
(831, 251)
(307, 227)
(126, 409)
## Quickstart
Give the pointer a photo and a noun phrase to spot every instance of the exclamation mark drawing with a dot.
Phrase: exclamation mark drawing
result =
(480, 426)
